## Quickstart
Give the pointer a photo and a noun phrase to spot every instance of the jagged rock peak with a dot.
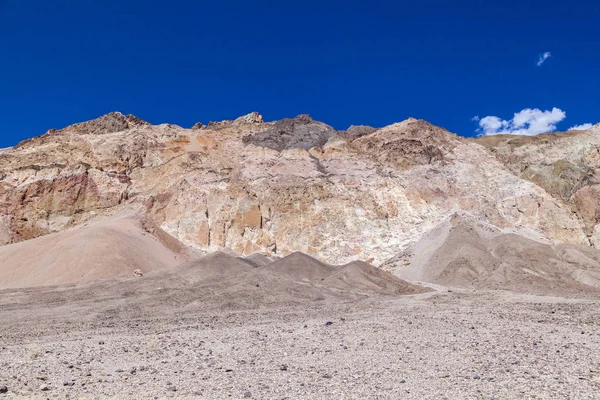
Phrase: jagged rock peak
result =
(356, 131)
(292, 133)
(108, 123)
(408, 143)
(252, 118)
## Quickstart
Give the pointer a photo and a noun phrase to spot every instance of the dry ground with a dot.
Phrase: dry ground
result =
(114, 343)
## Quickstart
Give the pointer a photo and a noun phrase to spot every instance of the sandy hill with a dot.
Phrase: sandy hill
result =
(359, 275)
(217, 265)
(463, 252)
(258, 260)
(107, 249)
(299, 267)
(225, 282)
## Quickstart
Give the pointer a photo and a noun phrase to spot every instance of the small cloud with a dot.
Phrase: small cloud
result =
(475, 118)
(582, 127)
(528, 122)
(543, 57)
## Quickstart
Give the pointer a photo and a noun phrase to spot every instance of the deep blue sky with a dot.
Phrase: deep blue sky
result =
(344, 62)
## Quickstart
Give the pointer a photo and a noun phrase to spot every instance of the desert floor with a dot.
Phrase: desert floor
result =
(107, 342)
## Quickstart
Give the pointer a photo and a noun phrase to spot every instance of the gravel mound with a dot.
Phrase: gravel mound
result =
(359, 275)
(258, 260)
(463, 252)
(299, 267)
(84, 254)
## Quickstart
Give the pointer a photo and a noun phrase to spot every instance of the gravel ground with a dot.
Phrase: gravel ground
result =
(439, 345)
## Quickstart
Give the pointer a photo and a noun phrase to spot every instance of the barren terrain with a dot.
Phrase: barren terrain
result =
(288, 260)
(438, 345)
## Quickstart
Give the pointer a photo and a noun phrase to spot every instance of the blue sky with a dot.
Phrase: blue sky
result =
(344, 62)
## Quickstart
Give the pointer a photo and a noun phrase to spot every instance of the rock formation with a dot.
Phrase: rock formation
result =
(298, 184)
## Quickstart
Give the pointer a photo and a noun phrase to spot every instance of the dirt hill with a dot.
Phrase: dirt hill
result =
(463, 252)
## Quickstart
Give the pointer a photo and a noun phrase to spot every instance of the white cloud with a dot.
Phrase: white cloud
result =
(582, 127)
(528, 122)
(543, 57)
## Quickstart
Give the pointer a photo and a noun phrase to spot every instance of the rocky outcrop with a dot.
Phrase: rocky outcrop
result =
(276, 187)
(565, 164)
(408, 143)
(290, 133)
(109, 123)
(356, 131)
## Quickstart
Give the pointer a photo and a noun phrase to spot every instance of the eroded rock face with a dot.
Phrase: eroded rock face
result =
(290, 133)
(275, 187)
(356, 131)
(565, 164)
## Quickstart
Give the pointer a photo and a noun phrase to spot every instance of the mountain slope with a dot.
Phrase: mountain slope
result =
(464, 252)
(107, 249)
(271, 187)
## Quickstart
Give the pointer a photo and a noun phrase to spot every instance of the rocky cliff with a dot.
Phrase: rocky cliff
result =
(298, 184)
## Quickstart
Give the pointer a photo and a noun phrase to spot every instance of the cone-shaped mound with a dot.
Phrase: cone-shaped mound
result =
(359, 275)
(217, 265)
(103, 250)
(463, 252)
(258, 260)
(299, 267)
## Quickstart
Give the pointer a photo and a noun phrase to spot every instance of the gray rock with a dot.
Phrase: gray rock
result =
(292, 133)
(356, 131)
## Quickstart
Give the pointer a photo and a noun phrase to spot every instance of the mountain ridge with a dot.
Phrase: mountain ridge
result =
(293, 185)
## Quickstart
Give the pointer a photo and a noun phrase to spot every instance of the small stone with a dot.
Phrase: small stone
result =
(138, 273)
(328, 323)
(3, 389)
(44, 388)
(477, 377)
(247, 395)
(402, 381)
(172, 388)
(284, 367)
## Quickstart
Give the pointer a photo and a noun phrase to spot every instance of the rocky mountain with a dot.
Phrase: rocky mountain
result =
(299, 185)
(565, 164)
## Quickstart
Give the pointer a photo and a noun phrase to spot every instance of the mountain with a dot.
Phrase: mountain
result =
(565, 164)
(298, 184)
